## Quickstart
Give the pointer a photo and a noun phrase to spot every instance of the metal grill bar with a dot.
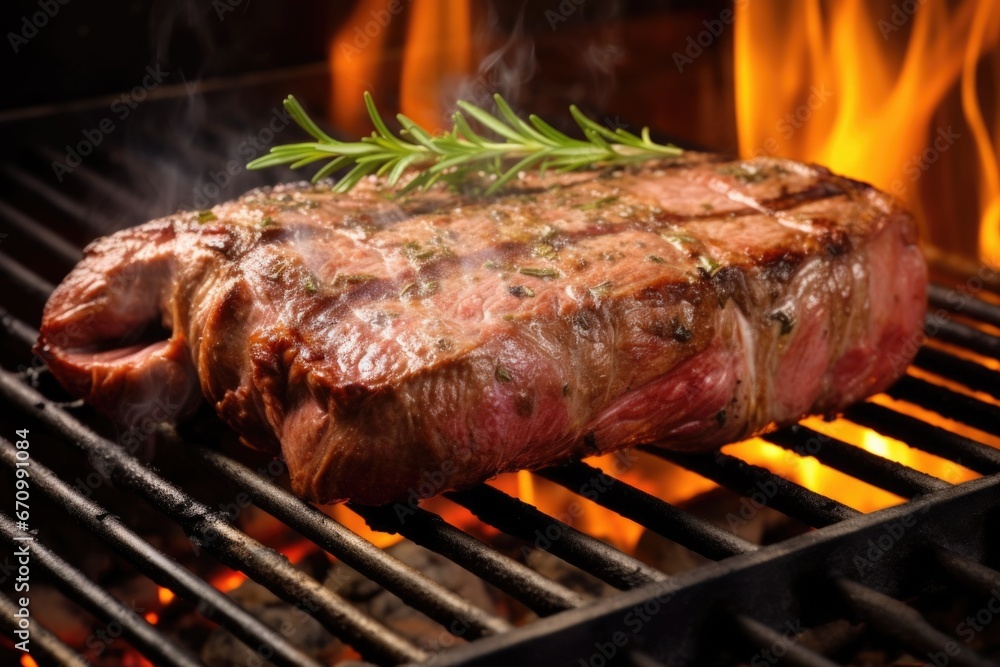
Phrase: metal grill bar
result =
(660, 517)
(640, 659)
(213, 533)
(786, 574)
(787, 497)
(99, 181)
(901, 622)
(947, 403)
(59, 247)
(16, 329)
(518, 518)
(964, 304)
(165, 572)
(72, 207)
(100, 603)
(969, 373)
(856, 462)
(763, 637)
(976, 577)
(37, 288)
(963, 335)
(412, 587)
(46, 647)
(932, 439)
(542, 595)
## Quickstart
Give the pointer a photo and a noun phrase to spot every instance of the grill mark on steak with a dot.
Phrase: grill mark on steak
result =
(519, 253)
(825, 188)
(686, 289)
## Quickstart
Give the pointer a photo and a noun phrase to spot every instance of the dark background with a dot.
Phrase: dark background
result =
(90, 49)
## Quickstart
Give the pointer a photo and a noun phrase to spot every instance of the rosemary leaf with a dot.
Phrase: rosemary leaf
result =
(538, 273)
(521, 145)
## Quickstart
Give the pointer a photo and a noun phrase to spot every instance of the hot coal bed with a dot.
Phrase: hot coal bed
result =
(154, 545)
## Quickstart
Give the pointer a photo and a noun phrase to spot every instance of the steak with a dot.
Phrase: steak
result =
(376, 340)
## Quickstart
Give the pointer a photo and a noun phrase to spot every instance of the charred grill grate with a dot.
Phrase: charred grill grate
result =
(746, 597)
(956, 520)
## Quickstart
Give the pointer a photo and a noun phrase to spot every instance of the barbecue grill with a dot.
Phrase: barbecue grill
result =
(735, 609)
(749, 594)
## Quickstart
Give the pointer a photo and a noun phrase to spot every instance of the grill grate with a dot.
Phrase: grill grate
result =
(734, 606)
(167, 573)
(214, 534)
(789, 498)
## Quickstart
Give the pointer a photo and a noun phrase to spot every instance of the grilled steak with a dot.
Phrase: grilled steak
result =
(377, 341)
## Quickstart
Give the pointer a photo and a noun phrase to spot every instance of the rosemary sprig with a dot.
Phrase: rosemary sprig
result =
(533, 143)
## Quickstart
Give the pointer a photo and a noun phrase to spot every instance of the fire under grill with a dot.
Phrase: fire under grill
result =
(752, 604)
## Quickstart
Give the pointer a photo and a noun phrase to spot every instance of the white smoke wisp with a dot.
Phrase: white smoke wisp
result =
(600, 59)
(506, 70)
(594, 51)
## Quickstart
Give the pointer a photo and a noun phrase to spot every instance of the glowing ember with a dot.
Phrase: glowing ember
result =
(296, 551)
(152, 618)
(229, 580)
(165, 595)
(860, 90)
(28, 661)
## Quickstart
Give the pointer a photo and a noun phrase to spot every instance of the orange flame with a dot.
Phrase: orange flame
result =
(356, 524)
(576, 509)
(28, 661)
(676, 485)
(354, 64)
(856, 89)
(987, 18)
(436, 54)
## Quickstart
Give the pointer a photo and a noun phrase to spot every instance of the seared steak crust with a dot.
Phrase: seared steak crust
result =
(375, 340)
